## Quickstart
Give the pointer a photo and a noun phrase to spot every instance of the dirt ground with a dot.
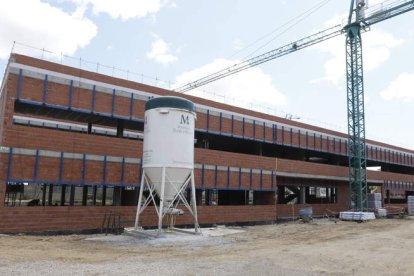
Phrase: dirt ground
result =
(380, 247)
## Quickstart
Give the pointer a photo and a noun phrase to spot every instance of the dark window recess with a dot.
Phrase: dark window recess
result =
(19, 194)
(75, 116)
(233, 197)
(392, 197)
(14, 193)
(264, 198)
(240, 145)
(298, 194)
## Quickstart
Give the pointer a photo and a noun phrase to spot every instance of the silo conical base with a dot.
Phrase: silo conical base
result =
(166, 204)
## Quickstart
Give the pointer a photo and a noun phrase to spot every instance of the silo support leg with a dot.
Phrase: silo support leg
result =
(161, 210)
(141, 190)
(193, 204)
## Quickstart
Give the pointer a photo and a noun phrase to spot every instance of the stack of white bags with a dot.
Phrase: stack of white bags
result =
(357, 216)
(374, 201)
(410, 201)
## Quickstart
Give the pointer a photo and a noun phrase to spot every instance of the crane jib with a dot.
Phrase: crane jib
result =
(387, 12)
(270, 55)
(372, 17)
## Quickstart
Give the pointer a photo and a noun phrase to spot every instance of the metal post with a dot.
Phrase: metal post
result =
(45, 88)
(70, 94)
(141, 190)
(36, 165)
(307, 136)
(215, 176)
(254, 129)
(131, 106)
(208, 120)
(9, 164)
(93, 99)
(232, 124)
(228, 176)
(221, 121)
(261, 179)
(83, 169)
(321, 144)
(240, 177)
(161, 208)
(19, 84)
(61, 167)
(327, 143)
(193, 204)
(113, 102)
(275, 134)
(123, 170)
(251, 179)
(104, 170)
(244, 121)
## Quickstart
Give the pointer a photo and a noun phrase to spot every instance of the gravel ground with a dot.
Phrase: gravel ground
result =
(380, 247)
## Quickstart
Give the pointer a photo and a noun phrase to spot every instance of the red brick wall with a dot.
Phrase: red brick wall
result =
(37, 219)
(390, 176)
(33, 89)
(22, 167)
(138, 86)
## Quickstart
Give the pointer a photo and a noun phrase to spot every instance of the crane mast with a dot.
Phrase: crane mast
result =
(355, 107)
(357, 151)
(359, 20)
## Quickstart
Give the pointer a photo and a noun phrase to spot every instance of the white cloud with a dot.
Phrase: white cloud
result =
(124, 9)
(42, 25)
(249, 89)
(401, 88)
(376, 47)
(160, 52)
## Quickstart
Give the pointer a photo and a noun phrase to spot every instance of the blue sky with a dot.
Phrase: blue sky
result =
(179, 40)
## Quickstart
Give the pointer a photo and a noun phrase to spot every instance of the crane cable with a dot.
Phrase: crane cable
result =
(294, 21)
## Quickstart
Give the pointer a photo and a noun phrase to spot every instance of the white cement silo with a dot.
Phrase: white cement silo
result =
(168, 155)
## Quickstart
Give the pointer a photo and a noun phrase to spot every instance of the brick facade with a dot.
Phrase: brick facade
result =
(47, 155)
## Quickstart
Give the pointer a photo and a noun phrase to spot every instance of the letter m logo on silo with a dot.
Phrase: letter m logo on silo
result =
(185, 120)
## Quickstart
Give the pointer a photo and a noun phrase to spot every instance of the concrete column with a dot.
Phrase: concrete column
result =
(63, 195)
(302, 195)
(281, 195)
(120, 128)
(50, 196)
(72, 195)
(89, 128)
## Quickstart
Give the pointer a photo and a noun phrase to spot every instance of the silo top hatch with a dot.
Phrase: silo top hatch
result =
(170, 102)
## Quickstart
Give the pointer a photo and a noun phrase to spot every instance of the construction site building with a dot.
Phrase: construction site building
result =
(71, 150)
